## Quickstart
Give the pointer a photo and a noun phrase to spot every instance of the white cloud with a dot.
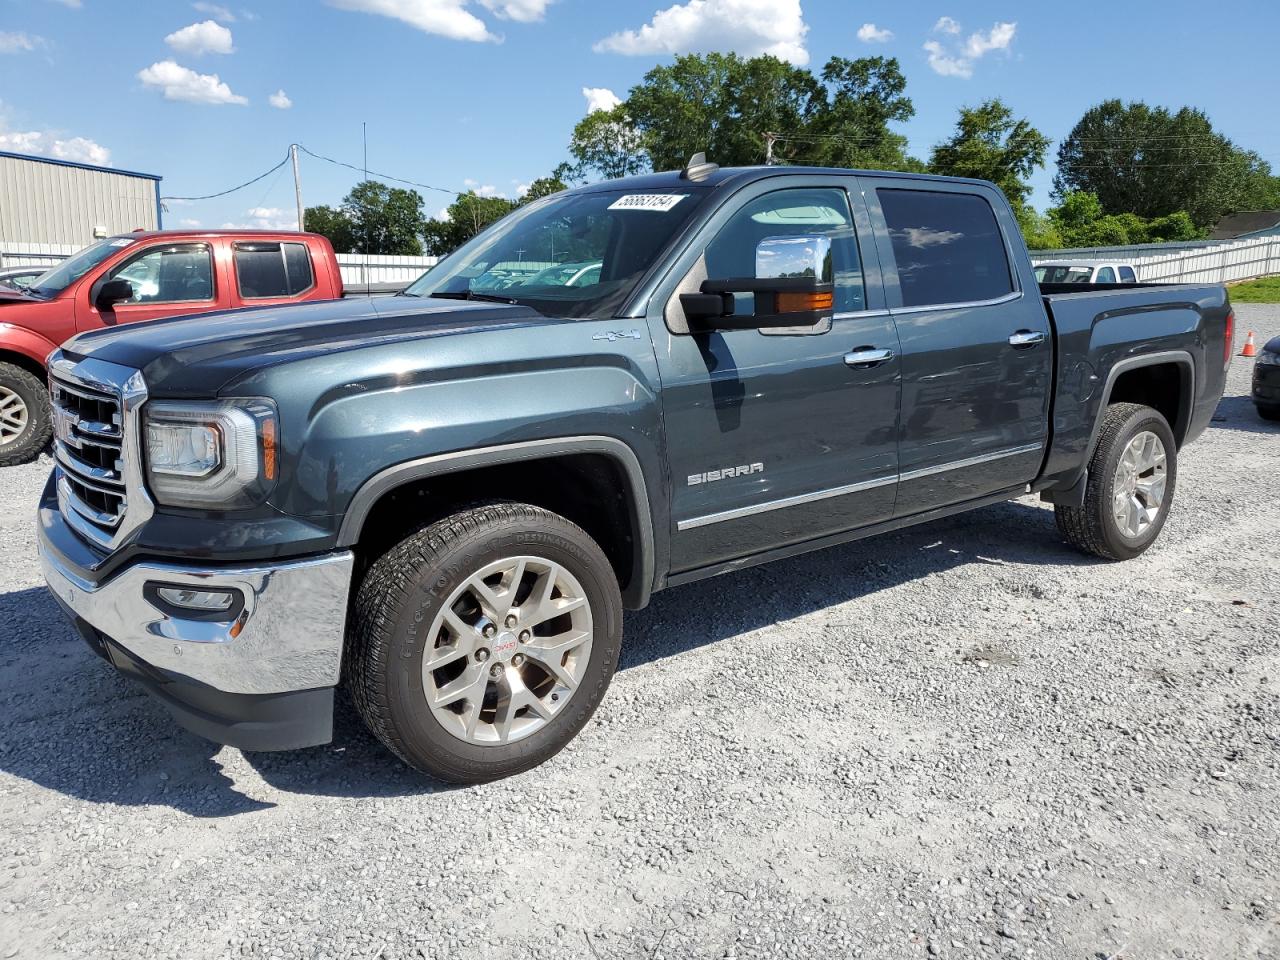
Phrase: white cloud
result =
(189, 223)
(522, 189)
(600, 98)
(443, 216)
(870, 33)
(73, 4)
(747, 27)
(203, 37)
(956, 60)
(216, 10)
(482, 190)
(448, 18)
(47, 144)
(525, 11)
(280, 100)
(266, 218)
(180, 83)
(19, 42)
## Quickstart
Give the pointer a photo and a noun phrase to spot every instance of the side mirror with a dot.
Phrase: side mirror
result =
(113, 292)
(793, 288)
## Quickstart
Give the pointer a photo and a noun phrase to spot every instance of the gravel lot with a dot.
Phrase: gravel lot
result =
(960, 741)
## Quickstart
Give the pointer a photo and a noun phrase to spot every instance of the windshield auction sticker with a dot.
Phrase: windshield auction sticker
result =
(659, 202)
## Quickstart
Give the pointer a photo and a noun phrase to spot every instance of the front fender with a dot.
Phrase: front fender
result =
(27, 343)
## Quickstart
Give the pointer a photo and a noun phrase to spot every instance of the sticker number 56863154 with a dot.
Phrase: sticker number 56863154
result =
(658, 202)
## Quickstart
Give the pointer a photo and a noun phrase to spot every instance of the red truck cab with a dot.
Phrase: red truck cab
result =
(142, 276)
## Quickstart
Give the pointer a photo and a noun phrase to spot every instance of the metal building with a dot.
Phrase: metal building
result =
(46, 203)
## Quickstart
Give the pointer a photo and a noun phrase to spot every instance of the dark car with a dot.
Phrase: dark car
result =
(1266, 380)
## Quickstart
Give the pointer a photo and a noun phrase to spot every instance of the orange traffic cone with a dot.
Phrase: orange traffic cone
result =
(1249, 349)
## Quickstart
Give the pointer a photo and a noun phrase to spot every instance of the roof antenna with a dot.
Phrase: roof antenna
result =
(698, 168)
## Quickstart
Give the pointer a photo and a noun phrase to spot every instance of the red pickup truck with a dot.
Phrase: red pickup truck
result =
(135, 277)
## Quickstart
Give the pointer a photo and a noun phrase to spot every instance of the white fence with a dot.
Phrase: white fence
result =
(34, 254)
(1224, 262)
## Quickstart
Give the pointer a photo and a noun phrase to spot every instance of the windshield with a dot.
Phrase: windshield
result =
(53, 282)
(576, 255)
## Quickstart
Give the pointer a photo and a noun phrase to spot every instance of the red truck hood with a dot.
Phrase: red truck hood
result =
(10, 294)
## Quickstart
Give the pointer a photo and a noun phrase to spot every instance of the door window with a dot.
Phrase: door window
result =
(948, 247)
(170, 274)
(267, 269)
(790, 213)
(1127, 275)
(1106, 275)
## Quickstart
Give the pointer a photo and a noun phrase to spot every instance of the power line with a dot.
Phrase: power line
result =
(380, 176)
(247, 183)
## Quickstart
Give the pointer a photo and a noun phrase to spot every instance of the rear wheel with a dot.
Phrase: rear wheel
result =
(483, 643)
(1132, 476)
(26, 422)
(1268, 413)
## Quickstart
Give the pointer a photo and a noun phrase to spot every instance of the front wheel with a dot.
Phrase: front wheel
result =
(1268, 413)
(483, 643)
(26, 422)
(1132, 476)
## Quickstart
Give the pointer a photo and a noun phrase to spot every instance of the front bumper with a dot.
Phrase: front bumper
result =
(261, 681)
(1266, 384)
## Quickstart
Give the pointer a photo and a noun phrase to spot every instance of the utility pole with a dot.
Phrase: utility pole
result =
(768, 148)
(297, 185)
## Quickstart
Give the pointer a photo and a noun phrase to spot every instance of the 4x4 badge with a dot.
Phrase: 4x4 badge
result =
(612, 335)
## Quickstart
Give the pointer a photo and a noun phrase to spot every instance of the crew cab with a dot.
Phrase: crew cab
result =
(445, 499)
(135, 277)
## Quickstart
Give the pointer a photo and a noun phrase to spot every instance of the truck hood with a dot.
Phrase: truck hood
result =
(195, 356)
(10, 294)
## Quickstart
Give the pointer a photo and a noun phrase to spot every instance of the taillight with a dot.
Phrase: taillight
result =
(1229, 341)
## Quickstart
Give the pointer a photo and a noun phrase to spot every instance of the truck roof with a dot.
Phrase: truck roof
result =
(674, 178)
(197, 232)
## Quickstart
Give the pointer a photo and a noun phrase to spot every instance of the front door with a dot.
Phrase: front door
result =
(168, 279)
(781, 436)
(977, 352)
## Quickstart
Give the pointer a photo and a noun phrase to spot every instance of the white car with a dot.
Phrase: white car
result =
(1086, 271)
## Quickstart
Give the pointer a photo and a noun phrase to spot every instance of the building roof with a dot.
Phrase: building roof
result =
(1243, 224)
(80, 166)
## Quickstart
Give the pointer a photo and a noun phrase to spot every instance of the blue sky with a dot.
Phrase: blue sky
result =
(484, 93)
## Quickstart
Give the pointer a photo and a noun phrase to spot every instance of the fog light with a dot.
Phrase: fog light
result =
(202, 601)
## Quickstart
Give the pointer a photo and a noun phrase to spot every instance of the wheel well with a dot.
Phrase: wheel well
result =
(592, 490)
(26, 363)
(1162, 386)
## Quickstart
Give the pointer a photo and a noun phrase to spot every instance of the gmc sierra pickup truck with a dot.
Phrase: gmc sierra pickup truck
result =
(141, 276)
(445, 499)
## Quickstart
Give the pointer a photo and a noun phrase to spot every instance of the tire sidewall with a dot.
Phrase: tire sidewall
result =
(1143, 420)
(426, 591)
(39, 418)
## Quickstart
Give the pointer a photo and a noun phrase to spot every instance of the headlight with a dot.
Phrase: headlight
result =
(1266, 357)
(220, 454)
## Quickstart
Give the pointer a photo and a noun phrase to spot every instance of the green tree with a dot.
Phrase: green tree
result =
(332, 223)
(543, 187)
(851, 128)
(605, 142)
(469, 214)
(373, 218)
(1151, 162)
(991, 144)
(1079, 221)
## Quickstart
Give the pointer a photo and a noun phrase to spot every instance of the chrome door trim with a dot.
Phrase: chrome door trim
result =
(867, 358)
(924, 308)
(970, 461)
(804, 498)
(785, 502)
(1026, 338)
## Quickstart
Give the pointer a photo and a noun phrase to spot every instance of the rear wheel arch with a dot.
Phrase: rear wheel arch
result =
(595, 482)
(1163, 381)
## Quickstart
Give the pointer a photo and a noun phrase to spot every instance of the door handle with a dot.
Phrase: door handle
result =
(1025, 338)
(866, 357)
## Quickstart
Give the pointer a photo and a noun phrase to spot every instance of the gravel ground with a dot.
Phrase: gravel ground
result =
(960, 741)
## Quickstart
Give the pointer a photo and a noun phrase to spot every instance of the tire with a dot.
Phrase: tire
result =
(26, 422)
(1094, 527)
(1268, 413)
(400, 617)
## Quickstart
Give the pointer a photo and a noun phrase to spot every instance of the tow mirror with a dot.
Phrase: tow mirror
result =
(792, 288)
(113, 292)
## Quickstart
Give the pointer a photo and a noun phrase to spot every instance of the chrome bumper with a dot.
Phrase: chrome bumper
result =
(288, 636)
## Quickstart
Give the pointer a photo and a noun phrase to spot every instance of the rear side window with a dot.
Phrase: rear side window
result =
(270, 269)
(948, 247)
(1106, 275)
(1127, 275)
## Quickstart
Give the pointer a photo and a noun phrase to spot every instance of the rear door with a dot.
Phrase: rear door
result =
(782, 436)
(976, 347)
(168, 279)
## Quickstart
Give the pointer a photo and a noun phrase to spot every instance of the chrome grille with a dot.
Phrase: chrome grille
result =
(98, 476)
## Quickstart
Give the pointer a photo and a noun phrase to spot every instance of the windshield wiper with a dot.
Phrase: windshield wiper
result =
(469, 295)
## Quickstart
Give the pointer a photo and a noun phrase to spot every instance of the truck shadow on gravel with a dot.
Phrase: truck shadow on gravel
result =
(72, 725)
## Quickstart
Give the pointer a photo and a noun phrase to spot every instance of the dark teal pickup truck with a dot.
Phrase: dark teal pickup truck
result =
(445, 499)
